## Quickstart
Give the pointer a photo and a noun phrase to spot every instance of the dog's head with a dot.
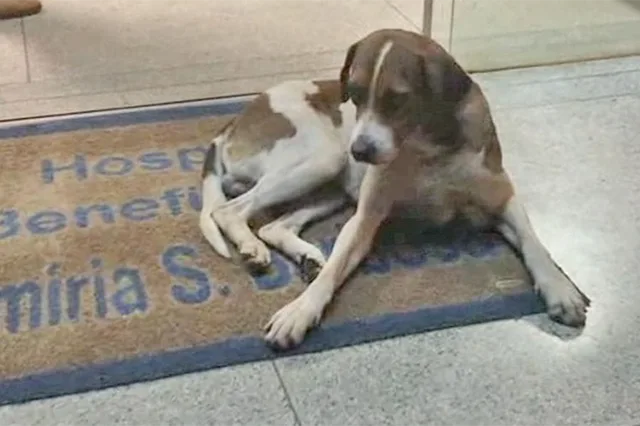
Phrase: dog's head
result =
(403, 85)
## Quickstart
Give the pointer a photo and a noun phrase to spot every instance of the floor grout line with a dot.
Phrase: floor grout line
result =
(182, 102)
(566, 102)
(26, 50)
(402, 14)
(9, 122)
(488, 76)
(486, 79)
(130, 90)
(170, 104)
(517, 80)
(451, 21)
(296, 417)
(175, 69)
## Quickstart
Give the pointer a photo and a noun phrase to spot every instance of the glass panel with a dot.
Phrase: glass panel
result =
(493, 34)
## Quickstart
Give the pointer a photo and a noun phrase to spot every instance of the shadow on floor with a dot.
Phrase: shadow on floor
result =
(633, 3)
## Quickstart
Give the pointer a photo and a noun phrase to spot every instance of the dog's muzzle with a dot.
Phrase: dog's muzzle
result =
(364, 149)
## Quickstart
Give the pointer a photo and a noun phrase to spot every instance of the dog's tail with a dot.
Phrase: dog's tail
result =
(212, 194)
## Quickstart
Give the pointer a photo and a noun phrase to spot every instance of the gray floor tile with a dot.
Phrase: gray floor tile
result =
(13, 66)
(245, 395)
(572, 70)
(504, 373)
(519, 94)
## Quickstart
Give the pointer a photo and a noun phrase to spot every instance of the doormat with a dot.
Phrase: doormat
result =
(105, 279)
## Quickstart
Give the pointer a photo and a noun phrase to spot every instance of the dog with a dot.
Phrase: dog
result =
(404, 131)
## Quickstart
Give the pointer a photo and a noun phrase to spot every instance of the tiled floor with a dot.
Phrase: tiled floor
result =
(570, 136)
(80, 55)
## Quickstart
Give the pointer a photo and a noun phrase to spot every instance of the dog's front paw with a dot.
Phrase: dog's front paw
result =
(255, 254)
(288, 326)
(566, 304)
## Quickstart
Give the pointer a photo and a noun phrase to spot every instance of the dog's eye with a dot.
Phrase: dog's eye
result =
(394, 101)
(358, 95)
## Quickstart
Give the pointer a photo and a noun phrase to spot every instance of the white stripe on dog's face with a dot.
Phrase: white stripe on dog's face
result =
(371, 140)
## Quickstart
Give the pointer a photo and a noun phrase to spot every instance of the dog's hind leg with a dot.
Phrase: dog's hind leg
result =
(282, 184)
(284, 233)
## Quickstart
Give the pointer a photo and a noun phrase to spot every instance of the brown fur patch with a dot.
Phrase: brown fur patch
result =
(493, 156)
(258, 129)
(327, 100)
(479, 130)
(492, 192)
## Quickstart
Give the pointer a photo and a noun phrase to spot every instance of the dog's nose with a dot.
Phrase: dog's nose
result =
(363, 149)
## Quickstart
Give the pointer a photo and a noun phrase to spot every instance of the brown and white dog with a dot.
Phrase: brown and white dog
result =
(405, 131)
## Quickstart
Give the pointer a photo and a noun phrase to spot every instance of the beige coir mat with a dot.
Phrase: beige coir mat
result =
(105, 278)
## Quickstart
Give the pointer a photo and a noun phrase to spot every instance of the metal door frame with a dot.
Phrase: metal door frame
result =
(427, 17)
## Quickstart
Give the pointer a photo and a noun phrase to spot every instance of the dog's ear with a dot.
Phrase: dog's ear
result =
(443, 85)
(445, 80)
(344, 72)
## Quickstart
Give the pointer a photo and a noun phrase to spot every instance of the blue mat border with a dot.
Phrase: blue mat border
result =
(244, 349)
(120, 119)
(240, 350)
